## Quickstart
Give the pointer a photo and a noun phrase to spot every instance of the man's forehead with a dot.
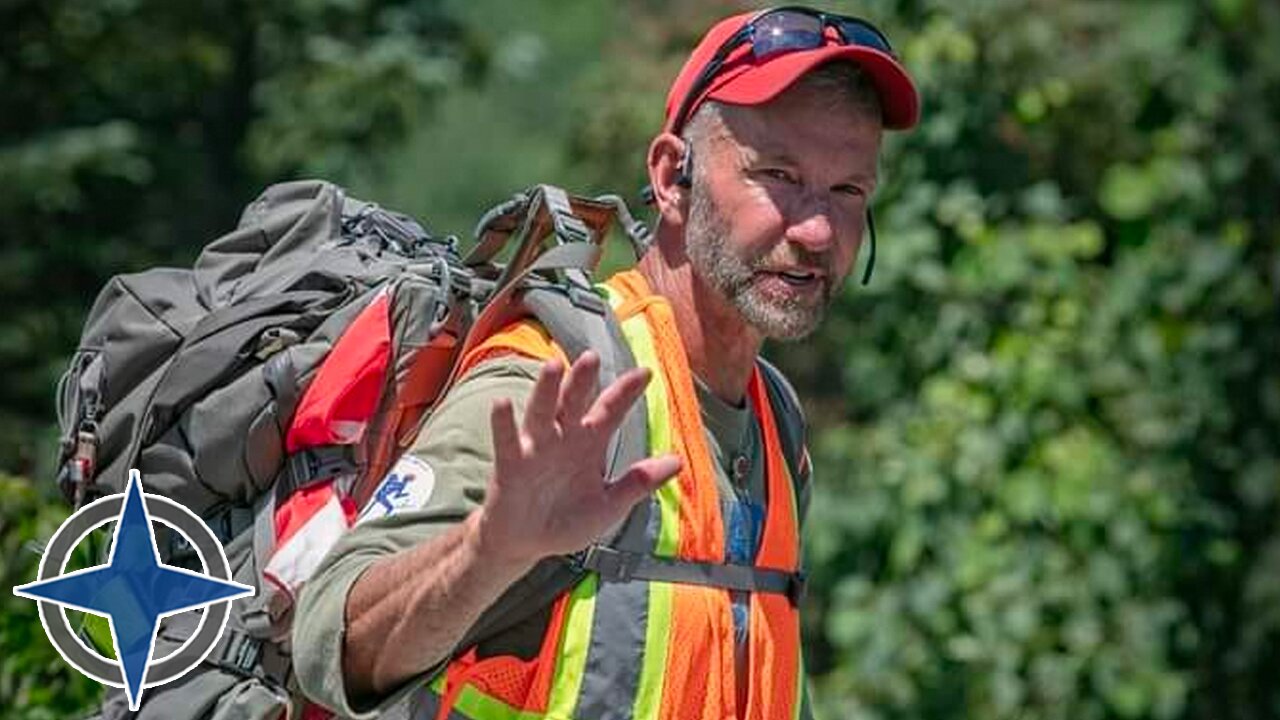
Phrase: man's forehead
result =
(786, 128)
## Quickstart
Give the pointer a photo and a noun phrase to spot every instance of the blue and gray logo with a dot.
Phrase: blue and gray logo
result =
(134, 590)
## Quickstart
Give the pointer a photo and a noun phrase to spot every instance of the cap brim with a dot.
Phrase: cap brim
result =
(754, 84)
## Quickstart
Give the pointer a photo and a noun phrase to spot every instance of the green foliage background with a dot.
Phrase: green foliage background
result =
(1047, 436)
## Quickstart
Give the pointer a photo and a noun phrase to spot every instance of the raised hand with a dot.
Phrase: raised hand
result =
(548, 494)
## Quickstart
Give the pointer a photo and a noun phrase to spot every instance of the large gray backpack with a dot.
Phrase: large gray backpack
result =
(307, 346)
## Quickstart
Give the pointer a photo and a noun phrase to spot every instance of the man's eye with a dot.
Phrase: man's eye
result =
(850, 190)
(778, 174)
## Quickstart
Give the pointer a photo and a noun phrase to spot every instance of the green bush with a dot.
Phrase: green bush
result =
(35, 682)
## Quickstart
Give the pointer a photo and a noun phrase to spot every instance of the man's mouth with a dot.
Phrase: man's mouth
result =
(795, 277)
(798, 277)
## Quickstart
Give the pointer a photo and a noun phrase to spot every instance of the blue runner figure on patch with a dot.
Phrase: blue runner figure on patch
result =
(407, 487)
(394, 488)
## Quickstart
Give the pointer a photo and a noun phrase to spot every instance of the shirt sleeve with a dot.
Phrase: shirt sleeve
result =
(451, 462)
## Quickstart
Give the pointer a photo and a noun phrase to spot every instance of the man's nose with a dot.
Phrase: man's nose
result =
(812, 228)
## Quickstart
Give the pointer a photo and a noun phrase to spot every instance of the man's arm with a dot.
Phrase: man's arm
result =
(443, 477)
(547, 496)
(408, 610)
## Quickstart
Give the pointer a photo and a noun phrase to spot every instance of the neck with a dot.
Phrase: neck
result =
(721, 347)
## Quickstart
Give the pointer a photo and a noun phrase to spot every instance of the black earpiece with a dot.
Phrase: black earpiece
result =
(871, 261)
(684, 171)
(684, 175)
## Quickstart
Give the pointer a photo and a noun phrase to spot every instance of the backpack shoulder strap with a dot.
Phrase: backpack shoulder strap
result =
(579, 320)
(792, 427)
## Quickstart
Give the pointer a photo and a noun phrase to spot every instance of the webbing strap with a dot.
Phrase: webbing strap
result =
(567, 226)
(237, 651)
(226, 522)
(497, 310)
(569, 229)
(622, 566)
(255, 612)
(789, 415)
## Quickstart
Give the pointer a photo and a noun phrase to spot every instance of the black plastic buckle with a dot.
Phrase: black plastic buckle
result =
(241, 653)
(299, 470)
(796, 586)
(612, 565)
(180, 548)
(314, 464)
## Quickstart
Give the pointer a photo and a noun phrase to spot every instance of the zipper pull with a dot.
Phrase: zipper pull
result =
(83, 461)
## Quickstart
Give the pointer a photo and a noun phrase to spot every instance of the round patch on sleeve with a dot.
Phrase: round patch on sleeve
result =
(407, 487)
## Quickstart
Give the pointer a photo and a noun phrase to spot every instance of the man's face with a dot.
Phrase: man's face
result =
(778, 207)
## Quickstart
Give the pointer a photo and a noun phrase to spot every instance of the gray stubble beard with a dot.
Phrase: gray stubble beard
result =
(705, 242)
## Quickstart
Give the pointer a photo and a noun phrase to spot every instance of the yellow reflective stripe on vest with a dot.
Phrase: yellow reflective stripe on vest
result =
(636, 331)
(798, 710)
(574, 642)
(658, 629)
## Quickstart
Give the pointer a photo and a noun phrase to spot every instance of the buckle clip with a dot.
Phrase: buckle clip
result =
(241, 652)
(569, 227)
(612, 565)
(797, 583)
(311, 465)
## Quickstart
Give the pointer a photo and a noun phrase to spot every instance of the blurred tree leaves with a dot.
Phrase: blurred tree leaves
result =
(1047, 436)
(1049, 448)
(135, 130)
(35, 682)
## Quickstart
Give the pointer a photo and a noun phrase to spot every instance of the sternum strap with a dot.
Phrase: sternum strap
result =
(622, 566)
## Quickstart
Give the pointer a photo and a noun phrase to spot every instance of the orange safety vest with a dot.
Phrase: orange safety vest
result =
(642, 649)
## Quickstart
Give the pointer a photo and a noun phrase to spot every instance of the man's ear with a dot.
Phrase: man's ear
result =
(669, 178)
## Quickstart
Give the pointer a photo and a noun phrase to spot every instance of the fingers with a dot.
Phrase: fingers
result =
(506, 435)
(643, 478)
(579, 388)
(608, 410)
(540, 413)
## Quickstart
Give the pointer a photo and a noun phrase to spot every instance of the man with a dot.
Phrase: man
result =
(762, 178)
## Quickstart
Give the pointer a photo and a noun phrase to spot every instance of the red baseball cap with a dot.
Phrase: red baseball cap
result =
(745, 80)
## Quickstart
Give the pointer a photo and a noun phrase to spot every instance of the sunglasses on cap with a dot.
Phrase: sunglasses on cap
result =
(774, 32)
(778, 31)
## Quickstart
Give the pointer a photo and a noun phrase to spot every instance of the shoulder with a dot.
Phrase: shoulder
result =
(462, 414)
(525, 338)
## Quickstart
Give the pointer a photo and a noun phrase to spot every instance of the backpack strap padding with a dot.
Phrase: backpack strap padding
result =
(576, 329)
(792, 427)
